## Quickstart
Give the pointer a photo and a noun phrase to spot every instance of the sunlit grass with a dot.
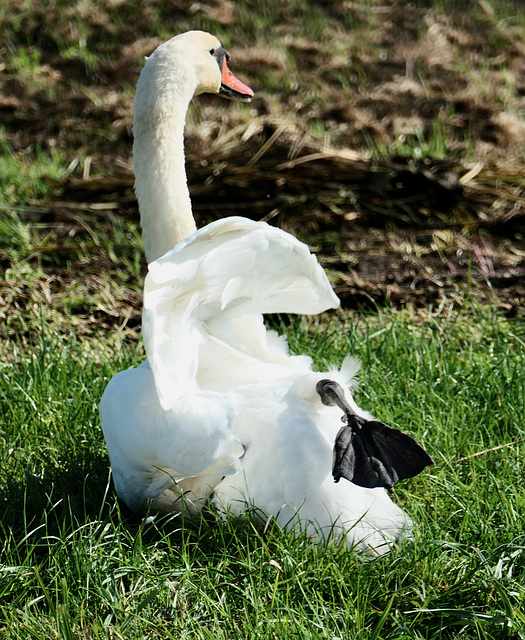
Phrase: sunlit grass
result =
(74, 562)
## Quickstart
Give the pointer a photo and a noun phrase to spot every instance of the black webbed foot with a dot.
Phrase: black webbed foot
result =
(369, 453)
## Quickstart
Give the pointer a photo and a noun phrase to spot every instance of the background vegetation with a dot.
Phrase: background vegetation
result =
(388, 135)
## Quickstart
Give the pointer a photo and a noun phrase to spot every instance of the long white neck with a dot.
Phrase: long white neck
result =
(161, 105)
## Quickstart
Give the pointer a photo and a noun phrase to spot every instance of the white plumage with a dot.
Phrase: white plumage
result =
(220, 412)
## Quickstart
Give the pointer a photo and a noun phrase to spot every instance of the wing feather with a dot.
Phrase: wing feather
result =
(230, 269)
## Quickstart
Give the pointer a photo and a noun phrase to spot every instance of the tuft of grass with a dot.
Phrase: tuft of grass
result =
(30, 177)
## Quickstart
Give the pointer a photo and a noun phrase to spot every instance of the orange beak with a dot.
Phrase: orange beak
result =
(232, 87)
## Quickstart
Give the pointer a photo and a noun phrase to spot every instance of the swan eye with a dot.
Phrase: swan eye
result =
(212, 52)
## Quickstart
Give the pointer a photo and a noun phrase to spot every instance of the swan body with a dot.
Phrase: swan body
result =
(220, 412)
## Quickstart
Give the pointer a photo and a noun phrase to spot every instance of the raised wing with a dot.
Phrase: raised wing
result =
(211, 289)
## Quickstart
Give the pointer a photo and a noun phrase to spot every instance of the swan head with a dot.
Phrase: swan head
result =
(202, 61)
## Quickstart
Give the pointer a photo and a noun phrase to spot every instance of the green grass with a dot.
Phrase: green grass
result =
(75, 564)
(25, 178)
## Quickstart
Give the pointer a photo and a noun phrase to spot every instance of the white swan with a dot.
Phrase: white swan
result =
(220, 412)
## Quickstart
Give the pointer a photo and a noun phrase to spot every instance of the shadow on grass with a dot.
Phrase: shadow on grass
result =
(61, 505)
(57, 504)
